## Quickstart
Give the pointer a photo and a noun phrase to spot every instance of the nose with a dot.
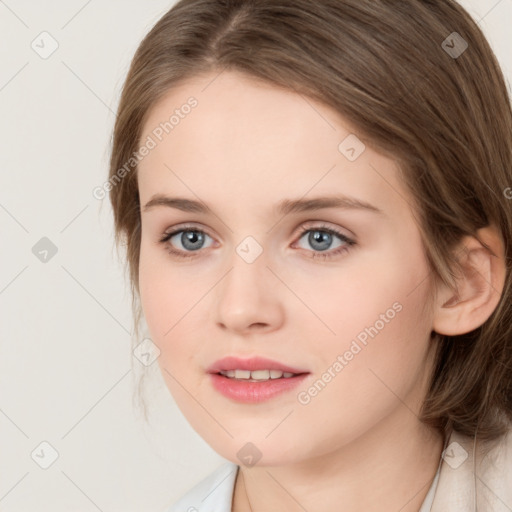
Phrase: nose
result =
(248, 299)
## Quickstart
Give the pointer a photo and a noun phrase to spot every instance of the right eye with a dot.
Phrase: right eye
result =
(190, 238)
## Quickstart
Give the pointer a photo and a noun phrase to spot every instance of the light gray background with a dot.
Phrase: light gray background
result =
(65, 369)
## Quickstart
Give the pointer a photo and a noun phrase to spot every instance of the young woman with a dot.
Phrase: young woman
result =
(316, 203)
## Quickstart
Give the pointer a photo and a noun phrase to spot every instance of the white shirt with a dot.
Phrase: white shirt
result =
(215, 492)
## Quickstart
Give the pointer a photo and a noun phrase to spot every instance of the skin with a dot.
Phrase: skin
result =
(358, 444)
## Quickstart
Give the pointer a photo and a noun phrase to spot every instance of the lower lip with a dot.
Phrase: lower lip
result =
(254, 392)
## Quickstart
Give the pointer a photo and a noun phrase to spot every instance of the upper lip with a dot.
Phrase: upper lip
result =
(252, 364)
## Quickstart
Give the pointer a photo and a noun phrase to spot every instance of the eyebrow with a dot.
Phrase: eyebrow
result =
(285, 207)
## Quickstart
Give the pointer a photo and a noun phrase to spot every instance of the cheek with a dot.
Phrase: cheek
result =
(381, 329)
(374, 296)
(173, 303)
(164, 290)
(359, 383)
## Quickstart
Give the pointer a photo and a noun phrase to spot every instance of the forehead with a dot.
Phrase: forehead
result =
(249, 143)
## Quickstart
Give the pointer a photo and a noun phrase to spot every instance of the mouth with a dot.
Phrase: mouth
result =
(247, 390)
(255, 367)
(258, 375)
(254, 380)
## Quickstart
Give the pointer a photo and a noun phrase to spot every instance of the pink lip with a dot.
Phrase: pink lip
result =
(253, 392)
(252, 364)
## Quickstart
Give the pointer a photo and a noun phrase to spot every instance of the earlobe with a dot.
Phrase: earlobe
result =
(479, 288)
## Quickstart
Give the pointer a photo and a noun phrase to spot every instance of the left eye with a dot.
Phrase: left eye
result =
(321, 238)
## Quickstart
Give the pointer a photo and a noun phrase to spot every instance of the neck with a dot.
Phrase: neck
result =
(366, 474)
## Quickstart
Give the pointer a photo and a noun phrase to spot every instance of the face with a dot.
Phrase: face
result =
(338, 292)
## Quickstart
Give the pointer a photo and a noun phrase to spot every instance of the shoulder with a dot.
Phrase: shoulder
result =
(475, 475)
(212, 494)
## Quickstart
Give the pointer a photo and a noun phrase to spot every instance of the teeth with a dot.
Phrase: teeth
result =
(256, 375)
(242, 374)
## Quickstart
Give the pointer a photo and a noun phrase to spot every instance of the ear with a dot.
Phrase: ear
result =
(479, 288)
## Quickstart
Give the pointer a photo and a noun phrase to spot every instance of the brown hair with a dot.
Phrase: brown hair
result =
(386, 66)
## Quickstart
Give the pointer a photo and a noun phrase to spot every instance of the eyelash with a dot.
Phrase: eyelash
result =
(315, 254)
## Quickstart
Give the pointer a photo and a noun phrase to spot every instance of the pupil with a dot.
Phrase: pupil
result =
(191, 237)
(319, 236)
